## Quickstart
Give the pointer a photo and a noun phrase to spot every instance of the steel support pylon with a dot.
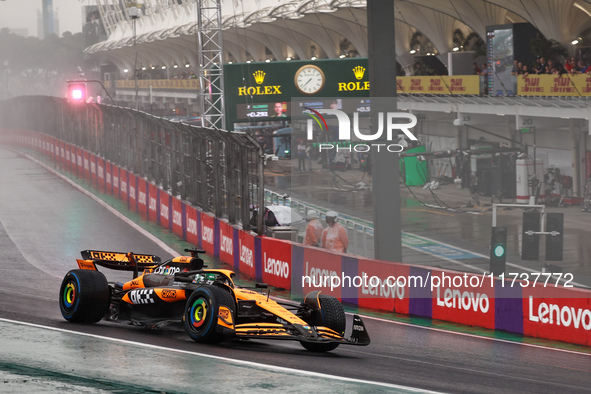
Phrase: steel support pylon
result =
(211, 75)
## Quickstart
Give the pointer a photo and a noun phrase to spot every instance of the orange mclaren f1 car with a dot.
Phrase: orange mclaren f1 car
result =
(206, 302)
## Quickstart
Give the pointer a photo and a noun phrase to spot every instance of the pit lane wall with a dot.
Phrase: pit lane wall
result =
(555, 313)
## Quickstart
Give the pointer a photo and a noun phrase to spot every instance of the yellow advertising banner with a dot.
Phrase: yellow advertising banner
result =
(439, 84)
(578, 85)
(181, 84)
(444, 84)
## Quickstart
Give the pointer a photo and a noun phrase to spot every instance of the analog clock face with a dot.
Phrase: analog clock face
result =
(309, 79)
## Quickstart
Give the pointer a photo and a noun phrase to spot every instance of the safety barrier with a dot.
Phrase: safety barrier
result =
(549, 312)
(218, 171)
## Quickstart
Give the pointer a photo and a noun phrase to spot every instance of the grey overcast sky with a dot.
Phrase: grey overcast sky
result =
(17, 14)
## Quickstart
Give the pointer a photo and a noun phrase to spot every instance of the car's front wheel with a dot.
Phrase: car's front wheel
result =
(84, 296)
(201, 313)
(326, 311)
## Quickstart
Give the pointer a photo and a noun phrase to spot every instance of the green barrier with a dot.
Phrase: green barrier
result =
(416, 172)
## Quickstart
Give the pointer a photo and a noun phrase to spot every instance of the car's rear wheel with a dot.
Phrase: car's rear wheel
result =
(84, 296)
(201, 313)
(327, 312)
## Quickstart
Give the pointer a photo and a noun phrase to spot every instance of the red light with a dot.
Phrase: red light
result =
(76, 92)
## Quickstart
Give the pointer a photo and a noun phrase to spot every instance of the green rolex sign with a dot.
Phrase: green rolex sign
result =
(263, 91)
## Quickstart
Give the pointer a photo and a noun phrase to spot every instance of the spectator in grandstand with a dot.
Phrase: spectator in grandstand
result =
(419, 69)
(484, 73)
(542, 67)
(334, 237)
(516, 67)
(314, 229)
(580, 68)
(524, 71)
(484, 69)
(551, 66)
(569, 65)
(476, 69)
(560, 66)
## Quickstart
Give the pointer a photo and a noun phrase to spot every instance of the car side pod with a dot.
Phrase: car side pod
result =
(359, 335)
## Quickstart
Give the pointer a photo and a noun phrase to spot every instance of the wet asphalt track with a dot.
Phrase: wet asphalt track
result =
(45, 222)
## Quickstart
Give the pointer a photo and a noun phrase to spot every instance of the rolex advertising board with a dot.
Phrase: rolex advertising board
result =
(263, 91)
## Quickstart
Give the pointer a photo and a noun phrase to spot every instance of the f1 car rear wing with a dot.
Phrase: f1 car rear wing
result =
(120, 261)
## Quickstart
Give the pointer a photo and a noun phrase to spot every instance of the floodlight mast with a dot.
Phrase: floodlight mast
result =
(134, 13)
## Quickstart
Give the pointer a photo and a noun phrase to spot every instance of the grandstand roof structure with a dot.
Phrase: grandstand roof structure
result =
(257, 30)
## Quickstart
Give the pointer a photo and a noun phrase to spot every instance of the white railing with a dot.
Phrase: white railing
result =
(359, 231)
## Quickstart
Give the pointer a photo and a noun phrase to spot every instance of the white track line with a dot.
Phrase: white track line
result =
(224, 359)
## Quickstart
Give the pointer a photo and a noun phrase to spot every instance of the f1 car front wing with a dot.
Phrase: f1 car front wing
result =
(359, 335)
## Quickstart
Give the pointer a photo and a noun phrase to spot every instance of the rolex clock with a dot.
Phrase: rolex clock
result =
(309, 79)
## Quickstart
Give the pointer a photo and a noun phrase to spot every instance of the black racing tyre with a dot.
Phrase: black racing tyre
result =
(332, 315)
(201, 313)
(84, 296)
